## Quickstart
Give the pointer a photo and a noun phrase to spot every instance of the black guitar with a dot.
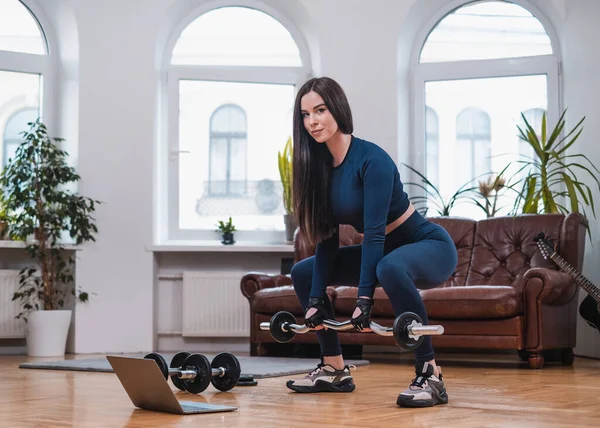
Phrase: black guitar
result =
(590, 306)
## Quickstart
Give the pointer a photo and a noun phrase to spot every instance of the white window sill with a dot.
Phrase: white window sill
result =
(213, 246)
(21, 244)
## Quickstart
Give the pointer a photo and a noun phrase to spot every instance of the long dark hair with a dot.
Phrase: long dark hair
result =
(312, 161)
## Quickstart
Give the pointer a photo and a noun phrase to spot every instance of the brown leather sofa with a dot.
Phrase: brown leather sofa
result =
(502, 295)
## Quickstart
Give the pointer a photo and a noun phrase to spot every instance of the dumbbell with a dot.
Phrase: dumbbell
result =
(193, 372)
(408, 329)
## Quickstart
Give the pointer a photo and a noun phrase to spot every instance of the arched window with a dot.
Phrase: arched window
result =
(486, 30)
(478, 67)
(16, 124)
(24, 67)
(432, 142)
(228, 140)
(473, 144)
(232, 74)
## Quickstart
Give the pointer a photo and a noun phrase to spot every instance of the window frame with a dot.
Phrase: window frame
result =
(43, 65)
(549, 65)
(428, 134)
(167, 219)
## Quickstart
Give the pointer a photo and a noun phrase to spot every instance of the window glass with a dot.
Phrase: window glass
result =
(486, 30)
(236, 36)
(19, 31)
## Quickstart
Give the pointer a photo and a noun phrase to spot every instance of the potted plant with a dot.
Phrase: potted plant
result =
(43, 210)
(432, 195)
(226, 230)
(285, 171)
(553, 174)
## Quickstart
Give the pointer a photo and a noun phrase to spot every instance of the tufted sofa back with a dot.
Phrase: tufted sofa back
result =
(503, 249)
(495, 251)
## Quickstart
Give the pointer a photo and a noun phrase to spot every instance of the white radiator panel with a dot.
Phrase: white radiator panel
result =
(10, 328)
(214, 306)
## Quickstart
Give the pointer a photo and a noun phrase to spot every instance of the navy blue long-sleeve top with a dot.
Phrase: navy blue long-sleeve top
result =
(365, 192)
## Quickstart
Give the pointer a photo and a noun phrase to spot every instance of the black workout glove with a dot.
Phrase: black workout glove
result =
(364, 319)
(317, 318)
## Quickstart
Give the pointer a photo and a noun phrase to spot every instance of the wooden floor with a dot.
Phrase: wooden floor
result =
(488, 391)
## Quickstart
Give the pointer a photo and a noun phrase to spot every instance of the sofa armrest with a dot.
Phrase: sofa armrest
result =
(254, 281)
(548, 286)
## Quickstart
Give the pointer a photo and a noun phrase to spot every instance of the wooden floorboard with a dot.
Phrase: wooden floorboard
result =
(484, 391)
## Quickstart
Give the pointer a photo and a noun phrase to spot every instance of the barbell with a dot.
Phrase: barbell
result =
(408, 329)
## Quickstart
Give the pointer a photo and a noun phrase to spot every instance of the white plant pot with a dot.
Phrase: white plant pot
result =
(47, 333)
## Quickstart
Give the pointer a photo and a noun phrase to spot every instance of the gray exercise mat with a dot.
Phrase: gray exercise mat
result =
(259, 367)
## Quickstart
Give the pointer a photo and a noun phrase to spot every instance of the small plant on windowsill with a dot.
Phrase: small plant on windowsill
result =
(226, 230)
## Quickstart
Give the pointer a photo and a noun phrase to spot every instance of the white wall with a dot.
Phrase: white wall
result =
(117, 92)
(581, 92)
(117, 68)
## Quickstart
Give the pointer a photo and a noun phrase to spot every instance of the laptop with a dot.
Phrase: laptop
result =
(148, 389)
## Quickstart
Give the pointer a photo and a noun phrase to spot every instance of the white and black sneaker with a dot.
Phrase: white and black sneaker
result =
(324, 378)
(426, 389)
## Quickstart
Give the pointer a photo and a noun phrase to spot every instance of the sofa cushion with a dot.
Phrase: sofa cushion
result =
(282, 298)
(474, 302)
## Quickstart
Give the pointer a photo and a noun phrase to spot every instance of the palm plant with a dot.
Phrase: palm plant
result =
(440, 205)
(553, 174)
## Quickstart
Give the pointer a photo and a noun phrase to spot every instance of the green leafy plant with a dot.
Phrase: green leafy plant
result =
(226, 228)
(552, 168)
(35, 194)
(285, 160)
(4, 217)
(441, 206)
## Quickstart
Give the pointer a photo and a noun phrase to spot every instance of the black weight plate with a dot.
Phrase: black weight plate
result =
(246, 380)
(232, 371)
(199, 363)
(275, 327)
(160, 360)
(177, 362)
(401, 324)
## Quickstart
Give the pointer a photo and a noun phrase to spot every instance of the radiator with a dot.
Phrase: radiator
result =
(213, 305)
(10, 328)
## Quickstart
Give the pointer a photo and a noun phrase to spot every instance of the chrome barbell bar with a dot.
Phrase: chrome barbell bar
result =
(191, 374)
(414, 329)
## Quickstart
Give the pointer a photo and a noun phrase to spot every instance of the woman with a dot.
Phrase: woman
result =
(341, 179)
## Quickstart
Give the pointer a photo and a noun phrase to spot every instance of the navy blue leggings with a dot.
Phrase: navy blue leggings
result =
(416, 252)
